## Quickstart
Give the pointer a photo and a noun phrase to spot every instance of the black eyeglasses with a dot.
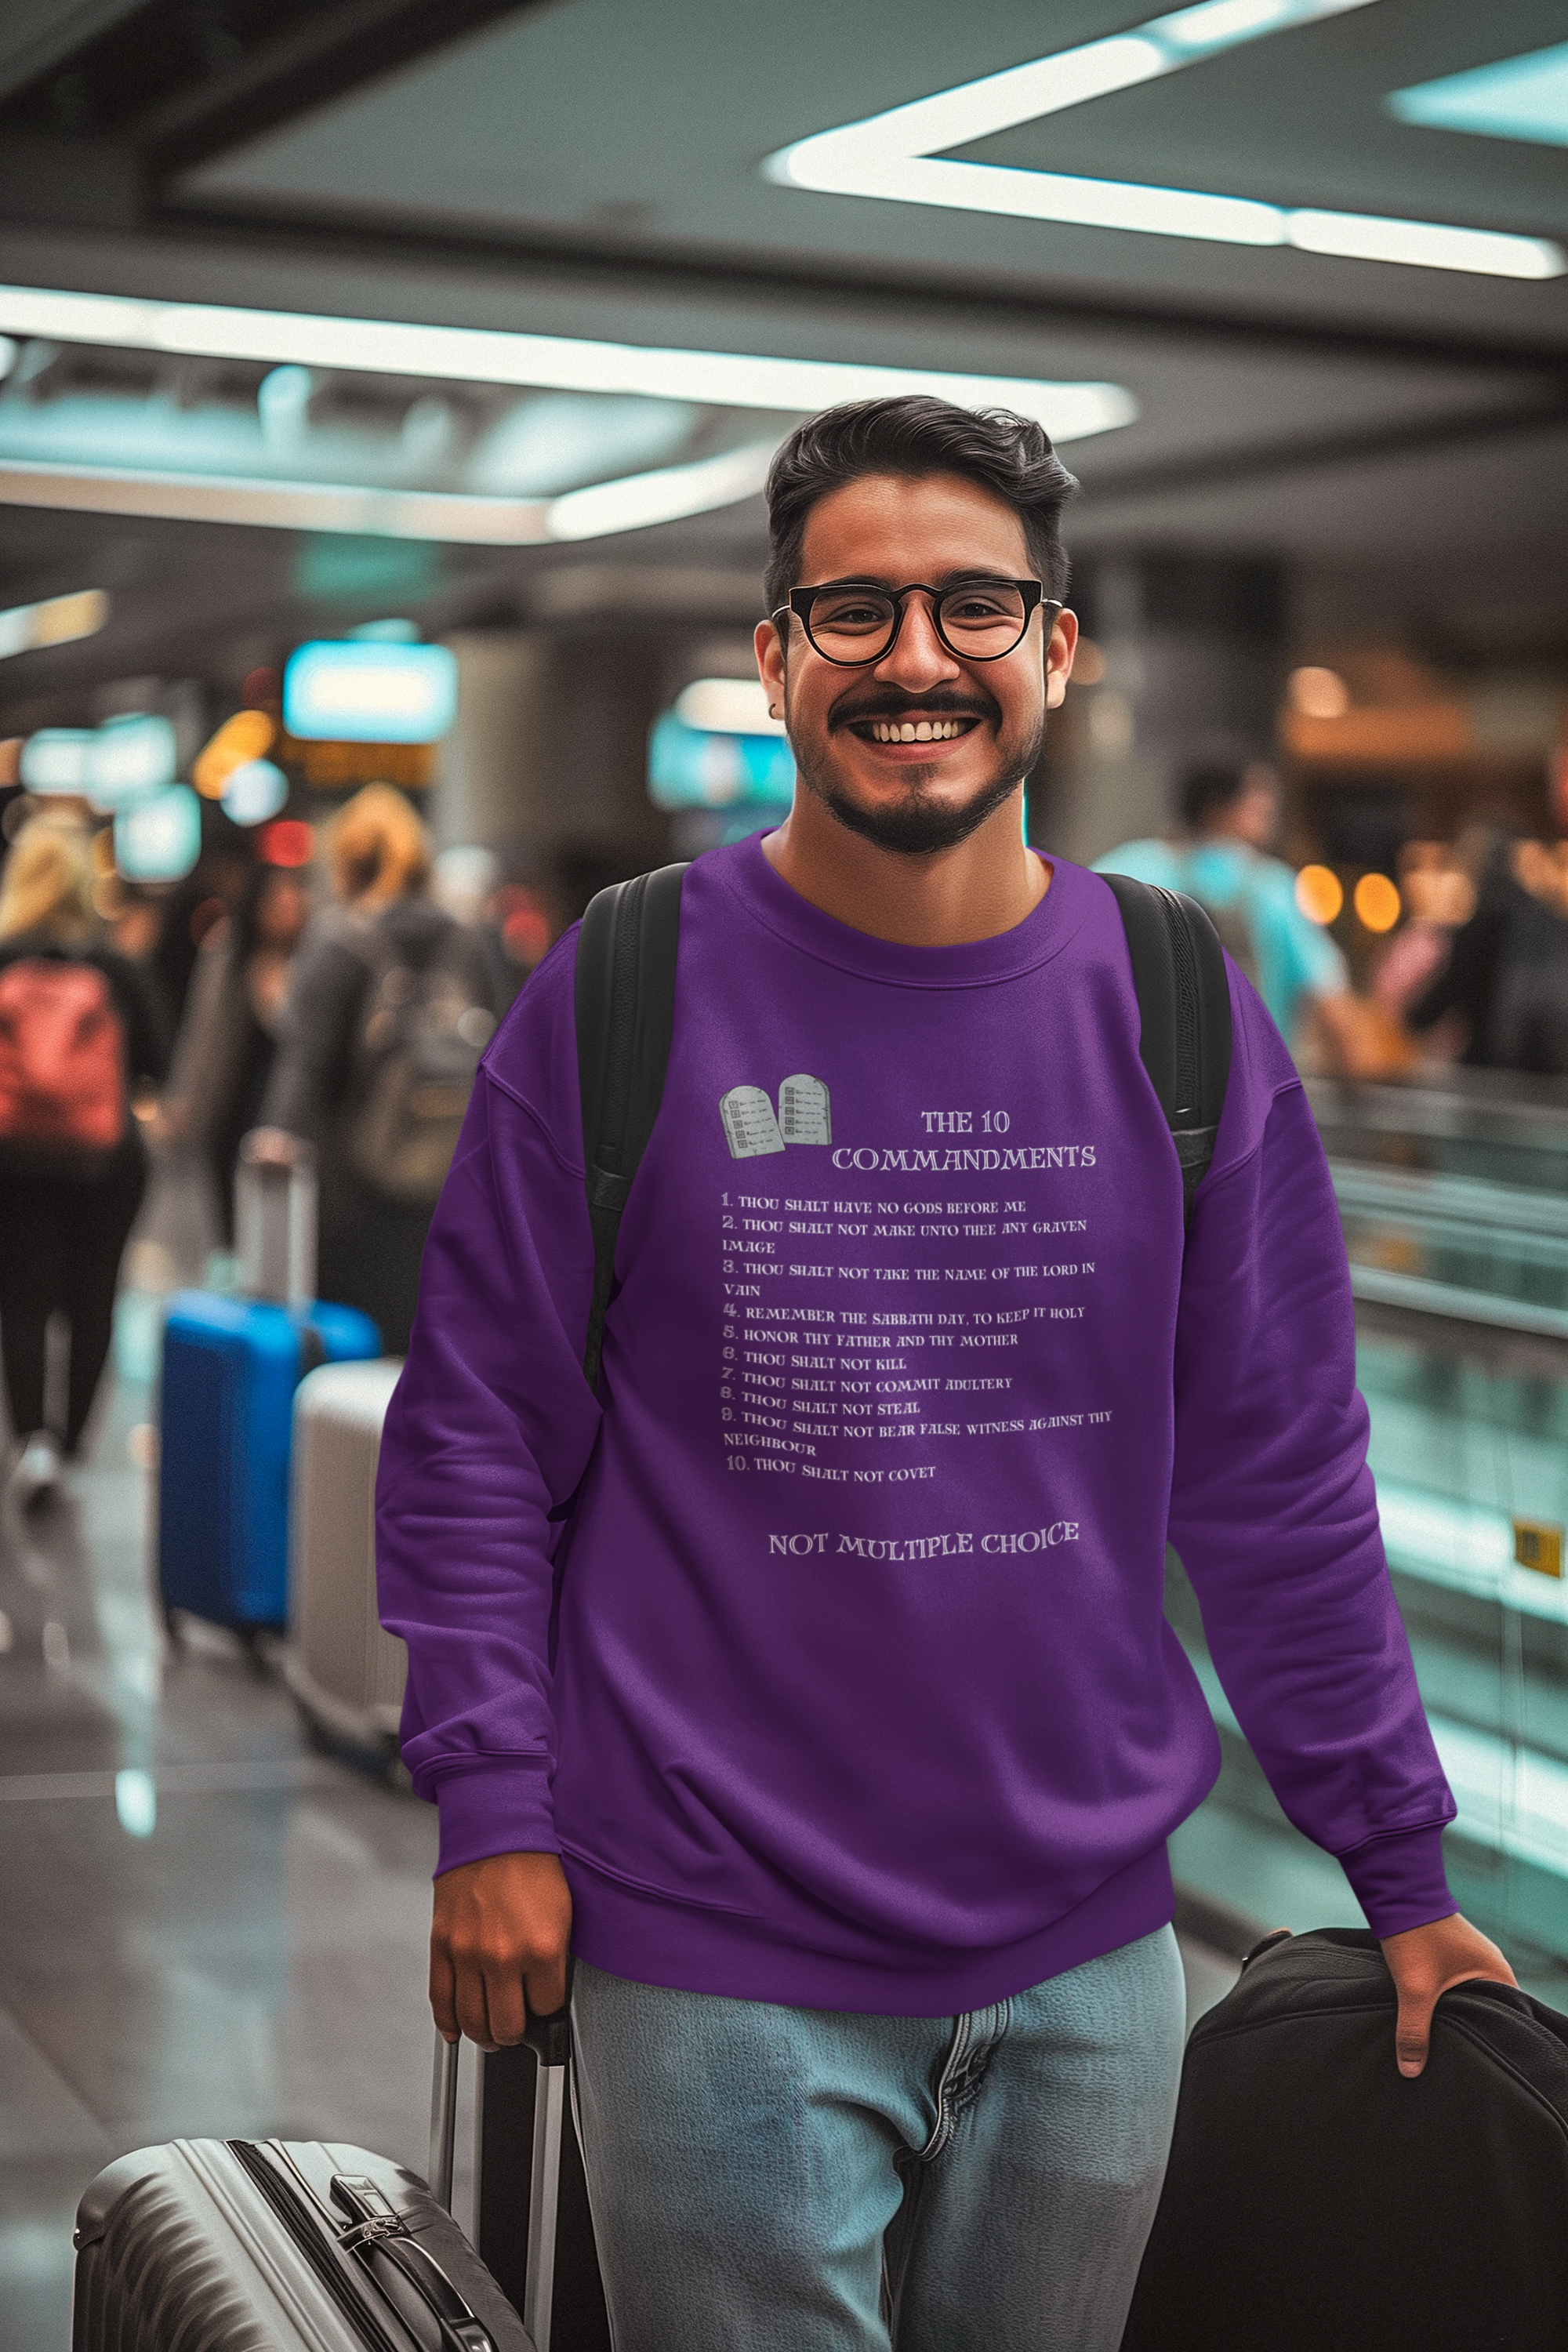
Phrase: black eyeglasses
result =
(854, 622)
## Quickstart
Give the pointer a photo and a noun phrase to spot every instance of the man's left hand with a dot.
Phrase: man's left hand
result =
(1424, 1962)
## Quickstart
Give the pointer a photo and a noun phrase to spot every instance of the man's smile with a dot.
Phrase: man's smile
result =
(913, 730)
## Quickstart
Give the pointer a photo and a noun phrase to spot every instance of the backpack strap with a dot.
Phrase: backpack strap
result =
(1183, 1009)
(625, 1018)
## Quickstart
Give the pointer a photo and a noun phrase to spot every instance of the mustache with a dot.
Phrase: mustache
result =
(853, 708)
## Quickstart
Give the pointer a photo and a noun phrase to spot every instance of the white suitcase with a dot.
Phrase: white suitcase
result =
(346, 1674)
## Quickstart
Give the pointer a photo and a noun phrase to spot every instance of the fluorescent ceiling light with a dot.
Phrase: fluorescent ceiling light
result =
(1422, 244)
(634, 503)
(557, 363)
(57, 621)
(1519, 98)
(895, 155)
(641, 499)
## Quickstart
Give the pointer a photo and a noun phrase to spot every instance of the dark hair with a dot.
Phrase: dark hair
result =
(1216, 780)
(1009, 455)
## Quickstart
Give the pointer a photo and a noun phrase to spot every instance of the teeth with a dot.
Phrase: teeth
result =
(915, 730)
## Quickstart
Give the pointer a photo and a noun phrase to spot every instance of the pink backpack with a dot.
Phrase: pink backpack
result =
(62, 1064)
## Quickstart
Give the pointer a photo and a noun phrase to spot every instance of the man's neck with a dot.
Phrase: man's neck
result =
(981, 887)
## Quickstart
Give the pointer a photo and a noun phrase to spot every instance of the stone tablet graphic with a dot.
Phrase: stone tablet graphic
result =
(803, 1114)
(750, 1127)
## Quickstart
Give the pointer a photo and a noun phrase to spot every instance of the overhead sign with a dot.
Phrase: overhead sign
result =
(130, 757)
(360, 693)
(689, 767)
(159, 839)
(56, 759)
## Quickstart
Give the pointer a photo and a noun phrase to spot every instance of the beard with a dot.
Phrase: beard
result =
(918, 822)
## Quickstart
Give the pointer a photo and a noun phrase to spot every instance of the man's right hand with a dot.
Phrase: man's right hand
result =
(498, 1946)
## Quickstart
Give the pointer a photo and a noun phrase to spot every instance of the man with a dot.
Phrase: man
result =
(1229, 808)
(842, 1734)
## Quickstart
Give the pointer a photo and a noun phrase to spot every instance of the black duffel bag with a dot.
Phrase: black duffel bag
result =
(1316, 2201)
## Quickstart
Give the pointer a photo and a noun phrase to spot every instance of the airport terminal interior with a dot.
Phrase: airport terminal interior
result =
(387, 395)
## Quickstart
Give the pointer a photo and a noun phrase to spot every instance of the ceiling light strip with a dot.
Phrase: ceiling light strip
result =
(637, 502)
(894, 157)
(1070, 411)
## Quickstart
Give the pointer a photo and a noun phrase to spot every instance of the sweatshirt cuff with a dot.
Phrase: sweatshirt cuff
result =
(494, 1808)
(1398, 1879)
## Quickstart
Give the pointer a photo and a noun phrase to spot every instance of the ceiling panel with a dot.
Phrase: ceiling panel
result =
(1300, 118)
(35, 33)
(599, 119)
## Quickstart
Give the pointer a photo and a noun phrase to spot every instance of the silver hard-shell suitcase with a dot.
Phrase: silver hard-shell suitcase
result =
(346, 1673)
(211, 2245)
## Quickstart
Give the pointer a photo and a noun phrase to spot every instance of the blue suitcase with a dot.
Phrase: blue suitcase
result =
(230, 1369)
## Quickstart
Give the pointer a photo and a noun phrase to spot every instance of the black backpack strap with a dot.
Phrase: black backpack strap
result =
(626, 1017)
(1183, 1009)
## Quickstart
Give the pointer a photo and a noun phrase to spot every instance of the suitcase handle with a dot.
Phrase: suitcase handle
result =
(549, 2038)
(374, 2227)
(374, 2222)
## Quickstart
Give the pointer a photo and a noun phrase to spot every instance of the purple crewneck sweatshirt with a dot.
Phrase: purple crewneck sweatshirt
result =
(846, 1683)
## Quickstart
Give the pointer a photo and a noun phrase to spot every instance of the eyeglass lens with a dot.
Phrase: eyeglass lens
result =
(983, 619)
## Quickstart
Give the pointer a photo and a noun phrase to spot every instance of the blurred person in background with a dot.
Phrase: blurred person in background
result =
(390, 1003)
(79, 1030)
(228, 1038)
(1527, 1025)
(1439, 896)
(1488, 1005)
(1229, 810)
(463, 883)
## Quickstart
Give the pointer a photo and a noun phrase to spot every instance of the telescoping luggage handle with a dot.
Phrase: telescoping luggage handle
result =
(549, 2039)
(274, 1223)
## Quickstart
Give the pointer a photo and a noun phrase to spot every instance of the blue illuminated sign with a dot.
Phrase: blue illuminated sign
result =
(688, 767)
(130, 758)
(56, 760)
(159, 839)
(1518, 98)
(359, 693)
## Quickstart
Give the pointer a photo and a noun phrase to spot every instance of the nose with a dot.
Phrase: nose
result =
(916, 659)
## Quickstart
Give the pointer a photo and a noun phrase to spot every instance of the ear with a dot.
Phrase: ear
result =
(770, 649)
(1060, 650)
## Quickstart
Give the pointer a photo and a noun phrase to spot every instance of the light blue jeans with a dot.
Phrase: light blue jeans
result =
(771, 2179)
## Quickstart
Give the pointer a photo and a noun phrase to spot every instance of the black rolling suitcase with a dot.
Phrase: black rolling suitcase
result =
(1316, 2201)
(214, 2245)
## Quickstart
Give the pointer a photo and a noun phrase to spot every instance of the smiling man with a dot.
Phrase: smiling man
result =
(811, 1683)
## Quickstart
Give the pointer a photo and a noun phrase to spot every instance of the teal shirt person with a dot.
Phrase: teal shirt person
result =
(1292, 957)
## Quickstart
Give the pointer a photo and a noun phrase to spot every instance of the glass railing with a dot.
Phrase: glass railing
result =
(1454, 1202)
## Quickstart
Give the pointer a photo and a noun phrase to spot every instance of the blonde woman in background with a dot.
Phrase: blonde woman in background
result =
(79, 1032)
(227, 1041)
(390, 1003)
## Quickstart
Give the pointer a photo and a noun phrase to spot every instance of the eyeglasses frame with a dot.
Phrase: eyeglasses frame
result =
(800, 601)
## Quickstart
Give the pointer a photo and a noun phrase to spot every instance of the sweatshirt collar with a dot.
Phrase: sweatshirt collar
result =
(745, 872)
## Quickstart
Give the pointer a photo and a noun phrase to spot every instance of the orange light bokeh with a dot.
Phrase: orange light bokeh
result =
(1319, 894)
(248, 735)
(1318, 693)
(1378, 903)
